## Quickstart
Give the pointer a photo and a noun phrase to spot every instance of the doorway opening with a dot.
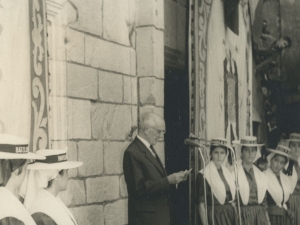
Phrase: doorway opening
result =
(176, 113)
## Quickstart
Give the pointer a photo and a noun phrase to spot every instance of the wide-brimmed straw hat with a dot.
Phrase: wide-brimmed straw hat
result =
(56, 159)
(294, 137)
(222, 142)
(282, 150)
(13, 147)
(249, 141)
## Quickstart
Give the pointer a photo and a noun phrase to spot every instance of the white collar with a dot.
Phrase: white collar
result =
(261, 182)
(53, 207)
(279, 193)
(217, 185)
(10, 206)
(147, 144)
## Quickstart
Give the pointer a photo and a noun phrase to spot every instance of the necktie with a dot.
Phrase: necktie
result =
(278, 178)
(153, 150)
(158, 160)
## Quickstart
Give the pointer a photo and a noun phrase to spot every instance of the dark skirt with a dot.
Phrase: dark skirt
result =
(280, 219)
(294, 201)
(253, 215)
(222, 214)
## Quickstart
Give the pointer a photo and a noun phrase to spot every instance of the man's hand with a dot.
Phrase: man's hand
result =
(176, 178)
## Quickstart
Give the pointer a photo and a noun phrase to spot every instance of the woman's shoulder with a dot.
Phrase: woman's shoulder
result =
(42, 219)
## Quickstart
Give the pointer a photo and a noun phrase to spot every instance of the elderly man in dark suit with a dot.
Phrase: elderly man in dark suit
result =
(147, 181)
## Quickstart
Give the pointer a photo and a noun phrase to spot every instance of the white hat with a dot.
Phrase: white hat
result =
(12, 147)
(294, 137)
(249, 141)
(56, 159)
(222, 142)
(219, 142)
(282, 150)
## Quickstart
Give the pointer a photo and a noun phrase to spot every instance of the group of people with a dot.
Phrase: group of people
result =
(231, 188)
(30, 183)
(245, 194)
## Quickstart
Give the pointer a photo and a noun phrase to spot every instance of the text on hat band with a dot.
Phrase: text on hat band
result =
(248, 142)
(20, 149)
(283, 150)
(54, 159)
(218, 142)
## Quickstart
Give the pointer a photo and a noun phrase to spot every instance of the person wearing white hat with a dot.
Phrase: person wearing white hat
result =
(252, 183)
(279, 186)
(14, 156)
(44, 181)
(294, 174)
(217, 195)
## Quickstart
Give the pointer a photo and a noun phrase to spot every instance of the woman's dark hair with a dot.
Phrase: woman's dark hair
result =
(288, 40)
(15, 164)
(243, 148)
(61, 172)
(212, 148)
(286, 158)
(261, 160)
(8, 166)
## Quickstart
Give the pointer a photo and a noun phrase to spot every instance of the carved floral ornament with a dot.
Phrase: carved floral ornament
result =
(39, 76)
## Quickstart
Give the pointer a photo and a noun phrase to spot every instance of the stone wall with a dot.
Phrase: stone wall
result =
(114, 70)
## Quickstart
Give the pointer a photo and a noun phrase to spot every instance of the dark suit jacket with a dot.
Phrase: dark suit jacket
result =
(147, 185)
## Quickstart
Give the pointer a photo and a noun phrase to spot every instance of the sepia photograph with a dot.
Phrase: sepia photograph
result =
(149, 112)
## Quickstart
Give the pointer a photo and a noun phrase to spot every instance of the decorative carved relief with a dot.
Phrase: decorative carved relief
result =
(198, 27)
(204, 12)
(39, 76)
(246, 16)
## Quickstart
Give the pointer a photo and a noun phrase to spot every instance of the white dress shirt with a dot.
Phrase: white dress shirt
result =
(147, 144)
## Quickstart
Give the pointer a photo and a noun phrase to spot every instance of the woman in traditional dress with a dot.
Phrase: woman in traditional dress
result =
(216, 196)
(252, 183)
(294, 144)
(279, 186)
(45, 180)
(14, 158)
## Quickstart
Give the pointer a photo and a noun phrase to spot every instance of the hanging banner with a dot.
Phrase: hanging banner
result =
(15, 84)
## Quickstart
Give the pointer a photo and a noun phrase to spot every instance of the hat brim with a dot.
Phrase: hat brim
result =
(293, 140)
(220, 145)
(280, 153)
(247, 145)
(29, 155)
(54, 166)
